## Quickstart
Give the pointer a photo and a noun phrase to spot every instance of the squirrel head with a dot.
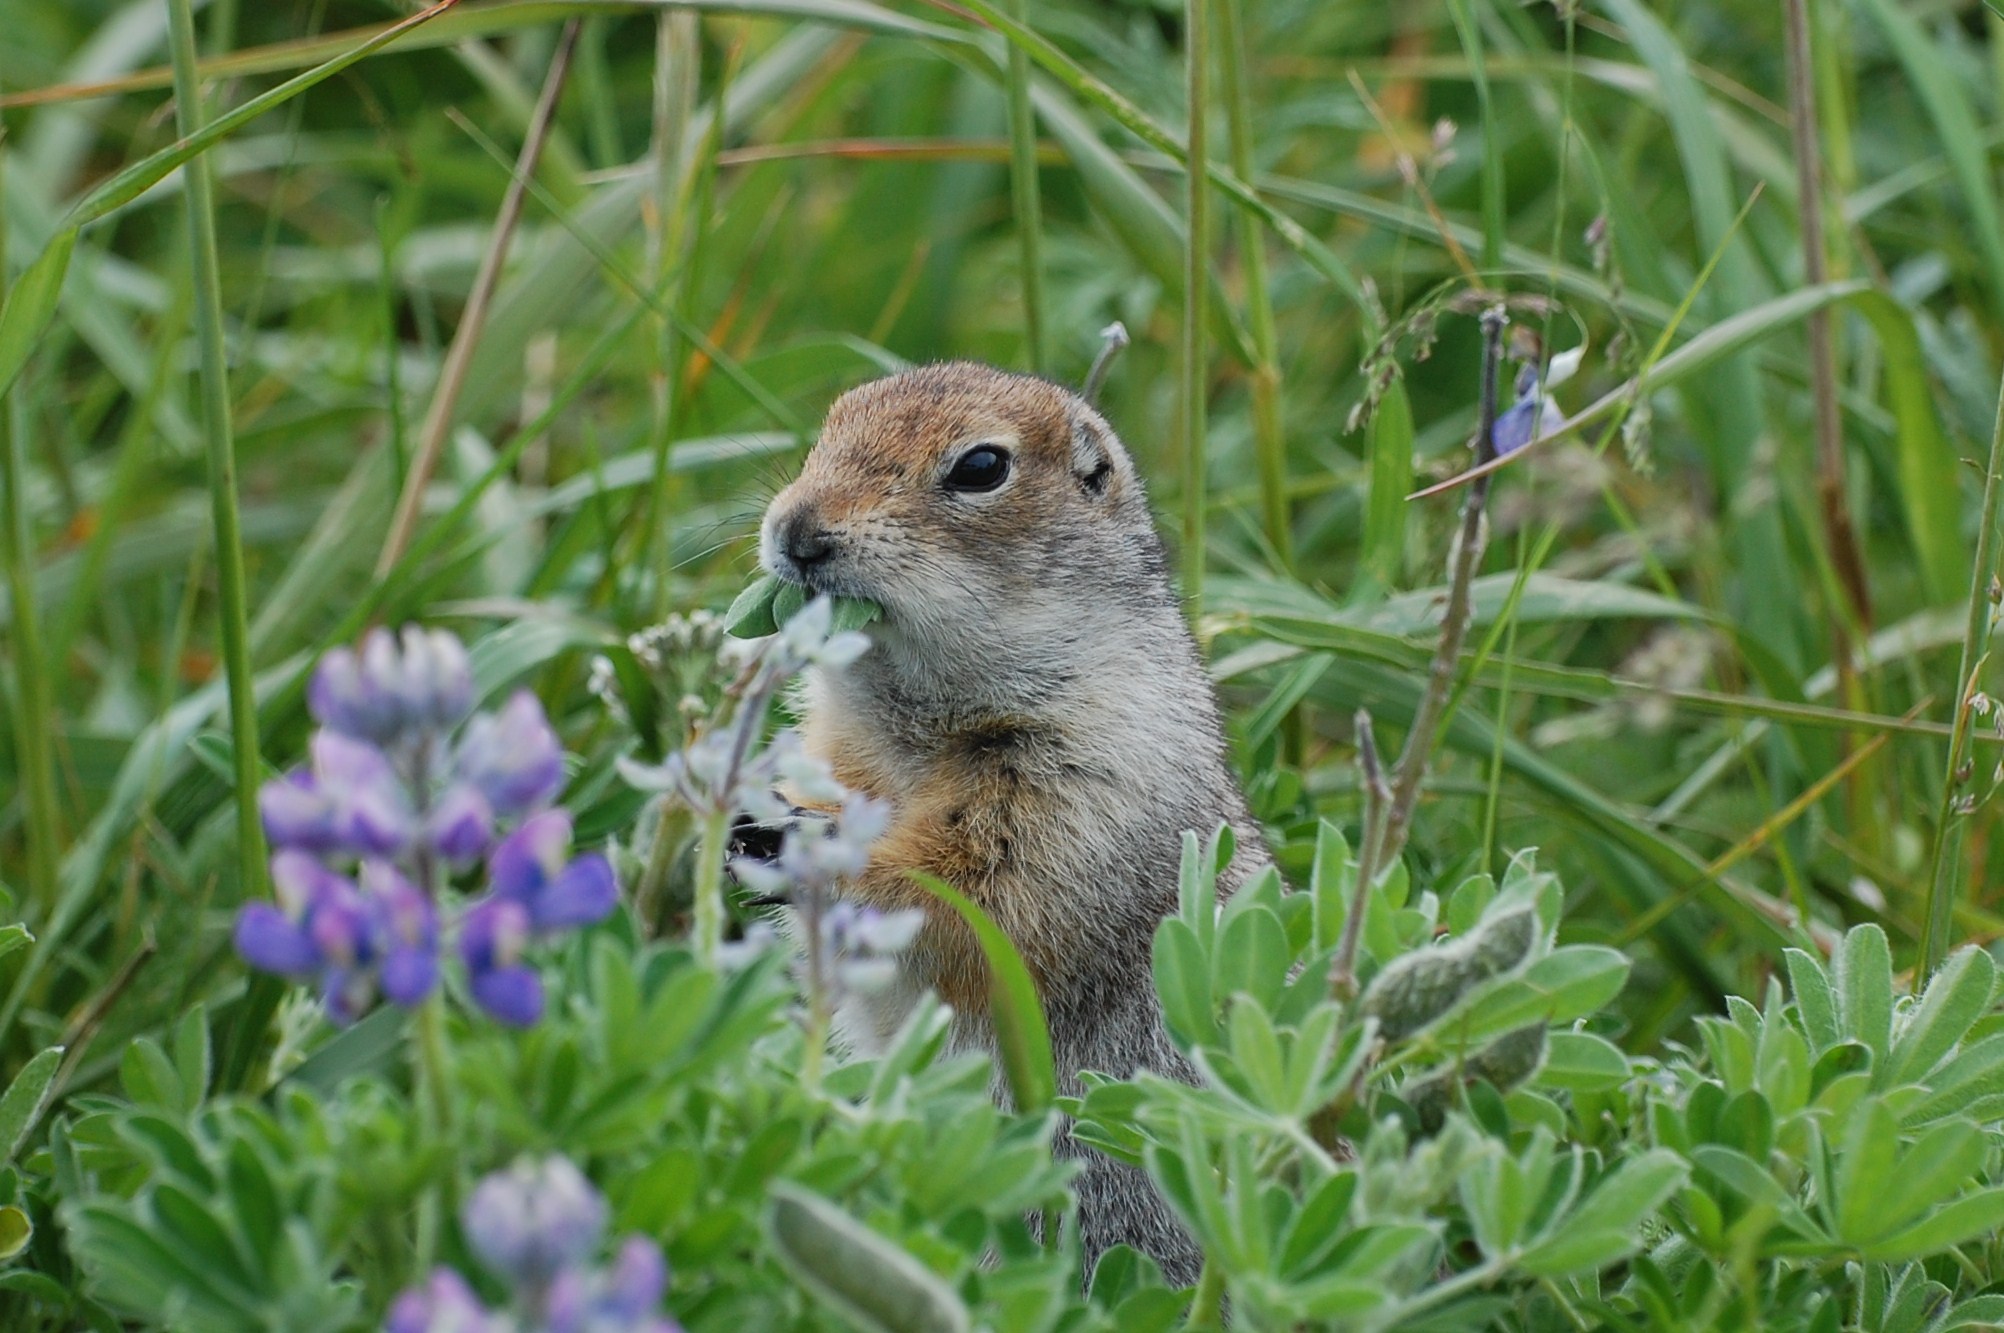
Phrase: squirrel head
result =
(963, 499)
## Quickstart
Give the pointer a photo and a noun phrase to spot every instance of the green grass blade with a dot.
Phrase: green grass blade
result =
(222, 462)
(1021, 1035)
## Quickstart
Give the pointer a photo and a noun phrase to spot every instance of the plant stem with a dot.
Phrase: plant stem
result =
(33, 709)
(676, 53)
(1028, 205)
(441, 412)
(435, 1104)
(818, 1016)
(710, 849)
(1388, 813)
(1830, 488)
(222, 464)
(1208, 1301)
(1377, 800)
(1945, 876)
(1464, 560)
(1196, 293)
(1269, 434)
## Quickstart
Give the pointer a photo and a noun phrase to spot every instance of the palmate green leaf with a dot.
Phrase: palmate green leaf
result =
(1021, 1035)
(1582, 1062)
(1182, 976)
(1603, 1229)
(1569, 983)
(1863, 971)
(1969, 1218)
(1814, 1000)
(1330, 882)
(1932, 1171)
(1956, 996)
(1868, 1156)
(1975, 1074)
(1753, 1182)
(769, 602)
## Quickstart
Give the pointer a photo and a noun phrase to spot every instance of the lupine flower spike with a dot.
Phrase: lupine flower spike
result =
(536, 1227)
(390, 805)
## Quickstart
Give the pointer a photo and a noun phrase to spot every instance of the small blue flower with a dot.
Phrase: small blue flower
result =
(437, 678)
(406, 933)
(460, 827)
(444, 1304)
(321, 927)
(623, 1299)
(532, 866)
(492, 935)
(1534, 415)
(533, 1220)
(512, 757)
(350, 803)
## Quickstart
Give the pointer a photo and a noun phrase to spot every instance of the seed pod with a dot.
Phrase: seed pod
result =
(1502, 941)
(1503, 1063)
(1419, 987)
(870, 1281)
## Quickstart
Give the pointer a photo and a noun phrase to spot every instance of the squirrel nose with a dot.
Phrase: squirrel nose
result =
(804, 540)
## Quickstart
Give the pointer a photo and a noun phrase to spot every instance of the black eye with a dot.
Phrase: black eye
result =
(982, 468)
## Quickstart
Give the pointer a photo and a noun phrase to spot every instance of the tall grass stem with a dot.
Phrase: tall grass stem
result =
(441, 412)
(676, 55)
(1196, 291)
(199, 187)
(34, 754)
(1945, 873)
(1026, 195)
(1269, 432)
(1831, 493)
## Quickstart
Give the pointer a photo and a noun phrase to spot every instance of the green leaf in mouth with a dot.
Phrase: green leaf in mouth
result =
(771, 601)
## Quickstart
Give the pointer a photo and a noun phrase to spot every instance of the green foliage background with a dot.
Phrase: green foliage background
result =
(1652, 695)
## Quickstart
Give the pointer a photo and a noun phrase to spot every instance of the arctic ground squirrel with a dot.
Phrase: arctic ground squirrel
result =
(1034, 709)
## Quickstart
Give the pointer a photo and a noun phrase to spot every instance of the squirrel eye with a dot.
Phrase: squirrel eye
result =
(982, 468)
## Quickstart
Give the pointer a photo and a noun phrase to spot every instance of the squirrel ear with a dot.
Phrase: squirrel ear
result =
(1097, 456)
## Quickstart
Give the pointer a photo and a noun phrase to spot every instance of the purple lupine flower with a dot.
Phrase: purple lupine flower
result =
(492, 935)
(437, 678)
(359, 694)
(460, 826)
(351, 802)
(407, 933)
(379, 791)
(323, 926)
(444, 1304)
(625, 1298)
(284, 938)
(533, 1220)
(533, 867)
(512, 757)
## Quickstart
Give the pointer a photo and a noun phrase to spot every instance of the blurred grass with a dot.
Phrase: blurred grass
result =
(743, 209)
